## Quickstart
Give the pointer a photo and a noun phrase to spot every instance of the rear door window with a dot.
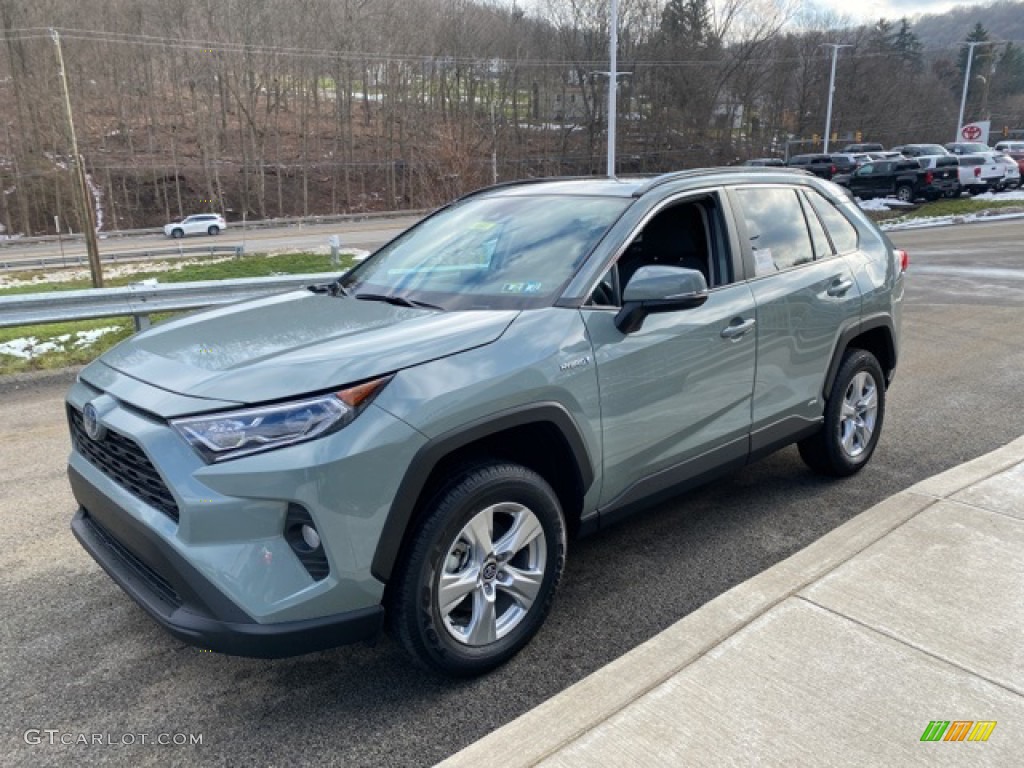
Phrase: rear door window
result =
(777, 229)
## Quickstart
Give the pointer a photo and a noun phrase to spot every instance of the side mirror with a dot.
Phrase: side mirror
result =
(659, 289)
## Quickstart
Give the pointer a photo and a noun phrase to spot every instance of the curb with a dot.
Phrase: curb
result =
(571, 714)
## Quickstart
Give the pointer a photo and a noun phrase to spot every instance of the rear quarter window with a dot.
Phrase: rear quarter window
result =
(842, 233)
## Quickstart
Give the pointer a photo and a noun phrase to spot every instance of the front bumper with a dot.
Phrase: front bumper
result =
(181, 600)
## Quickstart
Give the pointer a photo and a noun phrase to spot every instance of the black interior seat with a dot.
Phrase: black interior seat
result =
(676, 237)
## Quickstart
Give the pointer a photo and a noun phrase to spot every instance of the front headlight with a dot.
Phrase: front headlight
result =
(232, 434)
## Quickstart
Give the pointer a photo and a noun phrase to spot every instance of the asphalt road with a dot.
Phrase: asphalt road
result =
(79, 657)
(364, 235)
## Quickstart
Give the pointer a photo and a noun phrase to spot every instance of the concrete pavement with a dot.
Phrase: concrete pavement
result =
(841, 655)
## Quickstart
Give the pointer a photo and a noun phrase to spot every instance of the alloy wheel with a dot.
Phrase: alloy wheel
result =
(492, 574)
(859, 414)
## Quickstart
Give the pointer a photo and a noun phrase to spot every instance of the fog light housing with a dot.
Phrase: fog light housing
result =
(310, 536)
(302, 535)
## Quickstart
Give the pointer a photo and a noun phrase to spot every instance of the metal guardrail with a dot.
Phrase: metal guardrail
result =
(297, 221)
(113, 258)
(139, 301)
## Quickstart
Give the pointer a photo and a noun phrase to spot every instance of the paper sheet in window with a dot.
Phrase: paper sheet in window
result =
(764, 264)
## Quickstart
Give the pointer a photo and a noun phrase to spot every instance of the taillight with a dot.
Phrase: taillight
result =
(902, 259)
(832, 170)
(977, 170)
(928, 178)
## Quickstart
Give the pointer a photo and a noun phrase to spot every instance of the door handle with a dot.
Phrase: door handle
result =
(734, 330)
(839, 287)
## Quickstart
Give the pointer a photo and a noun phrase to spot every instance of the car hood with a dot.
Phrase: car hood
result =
(295, 343)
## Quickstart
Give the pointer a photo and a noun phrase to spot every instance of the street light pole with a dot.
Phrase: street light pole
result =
(613, 85)
(613, 76)
(967, 79)
(831, 88)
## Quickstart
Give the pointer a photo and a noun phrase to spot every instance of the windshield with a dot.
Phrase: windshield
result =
(507, 252)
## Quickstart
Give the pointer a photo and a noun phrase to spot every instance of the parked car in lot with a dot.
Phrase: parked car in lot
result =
(980, 173)
(1018, 157)
(1011, 171)
(967, 147)
(945, 173)
(818, 164)
(197, 224)
(845, 162)
(903, 179)
(868, 147)
(418, 439)
(1010, 145)
(917, 150)
(765, 162)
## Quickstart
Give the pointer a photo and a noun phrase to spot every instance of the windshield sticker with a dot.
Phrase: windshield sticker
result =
(482, 225)
(531, 287)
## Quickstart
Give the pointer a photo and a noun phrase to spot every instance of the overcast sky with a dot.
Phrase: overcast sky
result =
(857, 11)
(872, 10)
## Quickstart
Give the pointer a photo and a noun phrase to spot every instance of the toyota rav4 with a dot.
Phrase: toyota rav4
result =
(416, 443)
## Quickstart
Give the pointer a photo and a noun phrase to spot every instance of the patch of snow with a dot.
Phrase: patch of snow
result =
(874, 204)
(29, 347)
(1010, 194)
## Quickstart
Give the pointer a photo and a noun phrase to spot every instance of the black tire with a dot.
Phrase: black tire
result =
(905, 193)
(213, 230)
(840, 448)
(455, 639)
(177, 232)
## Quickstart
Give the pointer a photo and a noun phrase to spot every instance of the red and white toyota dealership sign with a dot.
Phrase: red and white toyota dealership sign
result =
(976, 131)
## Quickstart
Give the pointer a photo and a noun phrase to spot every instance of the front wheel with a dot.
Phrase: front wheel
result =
(853, 418)
(482, 570)
(177, 233)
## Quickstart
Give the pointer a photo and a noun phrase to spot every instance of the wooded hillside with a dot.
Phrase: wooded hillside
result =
(297, 107)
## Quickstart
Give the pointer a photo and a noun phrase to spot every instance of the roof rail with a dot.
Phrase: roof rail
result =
(522, 182)
(690, 173)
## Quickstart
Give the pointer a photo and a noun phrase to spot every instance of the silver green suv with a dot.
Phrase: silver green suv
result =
(417, 442)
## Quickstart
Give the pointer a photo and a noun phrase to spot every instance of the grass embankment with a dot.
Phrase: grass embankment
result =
(962, 206)
(64, 341)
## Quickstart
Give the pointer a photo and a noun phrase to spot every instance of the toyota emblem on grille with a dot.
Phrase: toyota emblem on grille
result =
(91, 422)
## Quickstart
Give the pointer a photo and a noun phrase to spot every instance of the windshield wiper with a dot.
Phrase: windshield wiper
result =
(333, 289)
(399, 301)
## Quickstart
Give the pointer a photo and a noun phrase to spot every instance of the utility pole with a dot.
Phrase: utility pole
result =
(967, 79)
(831, 88)
(84, 199)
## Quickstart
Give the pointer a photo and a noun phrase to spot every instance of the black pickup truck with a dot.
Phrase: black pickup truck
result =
(904, 179)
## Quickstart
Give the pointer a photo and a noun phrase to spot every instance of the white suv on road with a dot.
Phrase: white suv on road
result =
(197, 224)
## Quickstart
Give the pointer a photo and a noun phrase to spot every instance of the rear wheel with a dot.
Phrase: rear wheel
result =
(213, 230)
(905, 193)
(853, 418)
(482, 570)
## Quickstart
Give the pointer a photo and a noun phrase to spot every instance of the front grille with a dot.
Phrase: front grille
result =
(158, 585)
(123, 461)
